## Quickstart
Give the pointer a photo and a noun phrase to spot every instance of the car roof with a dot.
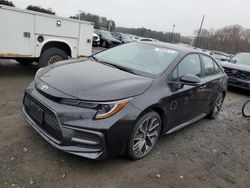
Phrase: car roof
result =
(177, 47)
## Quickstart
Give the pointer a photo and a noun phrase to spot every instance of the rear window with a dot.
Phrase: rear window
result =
(210, 67)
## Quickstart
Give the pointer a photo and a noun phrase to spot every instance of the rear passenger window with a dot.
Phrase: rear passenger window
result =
(216, 68)
(210, 67)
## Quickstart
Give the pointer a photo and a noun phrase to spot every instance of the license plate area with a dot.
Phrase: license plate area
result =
(36, 112)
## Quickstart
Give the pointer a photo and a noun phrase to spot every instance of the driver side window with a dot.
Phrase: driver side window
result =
(189, 65)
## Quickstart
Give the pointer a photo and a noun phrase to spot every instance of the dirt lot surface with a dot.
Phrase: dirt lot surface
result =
(210, 153)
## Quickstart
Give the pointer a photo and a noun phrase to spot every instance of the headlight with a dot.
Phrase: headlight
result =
(37, 72)
(104, 110)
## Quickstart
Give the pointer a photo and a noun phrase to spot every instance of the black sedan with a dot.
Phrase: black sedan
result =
(238, 70)
(120, 101)
(106, 39)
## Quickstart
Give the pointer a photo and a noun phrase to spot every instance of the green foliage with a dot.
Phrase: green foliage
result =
(7, 3)
(100, 22)
(40, 9)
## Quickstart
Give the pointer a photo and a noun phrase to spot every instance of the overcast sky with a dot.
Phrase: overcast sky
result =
(156, 14)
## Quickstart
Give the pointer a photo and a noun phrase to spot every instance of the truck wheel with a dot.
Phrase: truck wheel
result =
(52, 55)
(25, 61)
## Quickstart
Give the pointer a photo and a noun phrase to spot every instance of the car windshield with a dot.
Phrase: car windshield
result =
(106, 34)
(126, 37)
(140, 57)
(242, 58)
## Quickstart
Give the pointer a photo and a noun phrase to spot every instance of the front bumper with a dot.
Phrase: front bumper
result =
(96, 43)
(236, 82)
(76, 150)
(71, 129)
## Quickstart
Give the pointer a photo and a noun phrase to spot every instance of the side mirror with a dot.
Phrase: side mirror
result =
(190, 79)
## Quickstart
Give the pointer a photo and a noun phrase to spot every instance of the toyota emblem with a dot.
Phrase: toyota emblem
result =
(44, 87)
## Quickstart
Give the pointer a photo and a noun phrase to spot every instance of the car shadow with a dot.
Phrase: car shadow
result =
(239, 91)
(11, 68)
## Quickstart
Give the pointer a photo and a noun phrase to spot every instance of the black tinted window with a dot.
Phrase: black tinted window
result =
(210, 67)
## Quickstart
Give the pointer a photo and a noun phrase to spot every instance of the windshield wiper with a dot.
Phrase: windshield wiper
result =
(126, 69)
(95, 59)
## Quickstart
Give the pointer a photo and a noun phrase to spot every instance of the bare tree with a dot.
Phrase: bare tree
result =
(230, 39)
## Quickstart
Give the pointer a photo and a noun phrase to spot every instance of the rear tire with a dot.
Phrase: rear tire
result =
(144, 136)
(52, 55)
(214, 112)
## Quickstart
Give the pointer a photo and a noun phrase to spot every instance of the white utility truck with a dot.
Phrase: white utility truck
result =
(29, 36)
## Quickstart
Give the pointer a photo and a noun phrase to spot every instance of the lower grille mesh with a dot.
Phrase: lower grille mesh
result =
(49, 123)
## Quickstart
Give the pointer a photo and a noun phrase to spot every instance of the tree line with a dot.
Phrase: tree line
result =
(100, 21)
(30, 7)
(231, 39)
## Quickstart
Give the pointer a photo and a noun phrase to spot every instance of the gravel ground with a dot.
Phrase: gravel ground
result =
(210, 153)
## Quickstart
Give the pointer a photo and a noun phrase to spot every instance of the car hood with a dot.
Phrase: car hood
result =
(92, 81)
(237, 66)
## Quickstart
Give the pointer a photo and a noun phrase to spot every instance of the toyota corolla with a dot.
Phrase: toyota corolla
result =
(120, 101)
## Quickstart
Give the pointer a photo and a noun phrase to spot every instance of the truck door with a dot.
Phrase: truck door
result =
(16, 33)
(85, 42)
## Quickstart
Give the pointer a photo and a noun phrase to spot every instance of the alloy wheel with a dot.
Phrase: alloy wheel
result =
(54, 59)
(146, 136)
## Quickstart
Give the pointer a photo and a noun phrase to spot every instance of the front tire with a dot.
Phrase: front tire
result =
(144, 136)
(216, 107)
(52, 55)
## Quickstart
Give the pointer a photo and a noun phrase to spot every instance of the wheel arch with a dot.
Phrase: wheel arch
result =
(60, 44)
(162, 113)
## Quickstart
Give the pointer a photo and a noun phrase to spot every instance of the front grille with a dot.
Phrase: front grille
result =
(237, 73)
(48, 121)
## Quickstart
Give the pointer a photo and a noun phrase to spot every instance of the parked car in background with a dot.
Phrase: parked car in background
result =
(238, 70)
(96, 40)
(148, 40)
(220, 56)
(106, 39)
(142, 91)
(124, 38)
(134, 37)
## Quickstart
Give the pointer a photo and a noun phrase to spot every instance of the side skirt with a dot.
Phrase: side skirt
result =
(186, 123)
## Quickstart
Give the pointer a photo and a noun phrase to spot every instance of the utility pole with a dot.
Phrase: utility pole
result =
(198, 37)
(172, 35)
(80, 12)
(109, 25)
